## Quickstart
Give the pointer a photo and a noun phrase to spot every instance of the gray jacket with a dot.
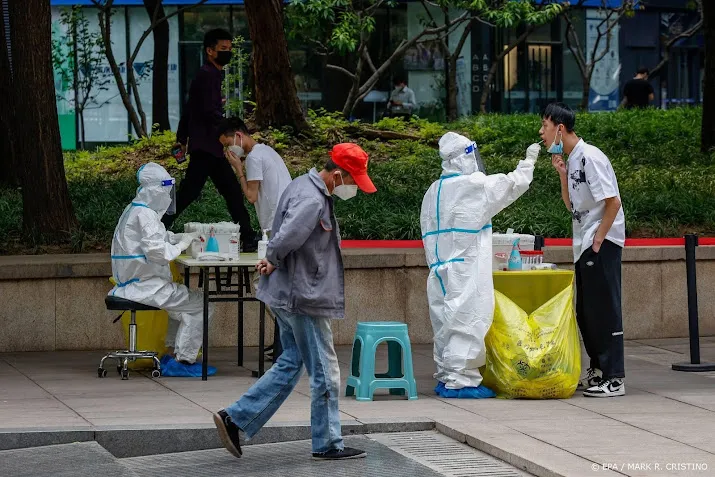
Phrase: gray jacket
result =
(305, 248)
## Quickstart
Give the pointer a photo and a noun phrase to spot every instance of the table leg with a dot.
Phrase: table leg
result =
(205, 364)
(239, 335)
(261, 341)
(187, 277)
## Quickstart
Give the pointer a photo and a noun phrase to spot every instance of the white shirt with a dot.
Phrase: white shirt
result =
(591, 180)
(407, 97)
(265, 165)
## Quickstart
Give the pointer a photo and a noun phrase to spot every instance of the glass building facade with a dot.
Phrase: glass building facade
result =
(540, 70)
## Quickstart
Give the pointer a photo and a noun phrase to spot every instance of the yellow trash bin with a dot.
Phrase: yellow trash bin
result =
(151, 328)
(533, 347)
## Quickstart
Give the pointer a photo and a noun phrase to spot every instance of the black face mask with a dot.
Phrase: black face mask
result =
(223, 57)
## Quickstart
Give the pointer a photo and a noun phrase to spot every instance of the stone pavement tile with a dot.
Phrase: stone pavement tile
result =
(422, 408)
(17, 386)
(37, 412)
(519, 449)
(611, 437)
(633, 401)
(651, 464)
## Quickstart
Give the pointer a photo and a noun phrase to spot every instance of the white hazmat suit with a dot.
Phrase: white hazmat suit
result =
(457, 235)
(141, 252)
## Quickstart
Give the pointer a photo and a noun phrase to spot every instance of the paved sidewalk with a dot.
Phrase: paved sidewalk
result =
(665, 425)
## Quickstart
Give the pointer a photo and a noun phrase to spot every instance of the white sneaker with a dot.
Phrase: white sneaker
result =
(607, 388)
(593, 378)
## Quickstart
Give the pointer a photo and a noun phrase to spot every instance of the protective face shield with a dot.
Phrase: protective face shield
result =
(472, 149)
(345, 192)
(237, 150)
(460, 155)
(557, 147)
(168, 186)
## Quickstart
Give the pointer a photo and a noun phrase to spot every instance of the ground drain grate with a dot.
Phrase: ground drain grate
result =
(446, 456)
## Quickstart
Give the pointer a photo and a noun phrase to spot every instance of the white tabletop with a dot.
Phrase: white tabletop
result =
(245, 260)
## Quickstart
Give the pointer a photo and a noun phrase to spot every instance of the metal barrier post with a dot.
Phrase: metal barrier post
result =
(691, 243)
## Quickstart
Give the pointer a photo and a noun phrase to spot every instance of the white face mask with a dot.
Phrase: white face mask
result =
(237, 150)
(345, 192)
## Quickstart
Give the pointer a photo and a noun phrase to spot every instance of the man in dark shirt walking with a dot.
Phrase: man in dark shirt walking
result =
(638, 92)
(199, 128)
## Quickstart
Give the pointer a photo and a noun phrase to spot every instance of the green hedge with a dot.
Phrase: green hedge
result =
(667, 186)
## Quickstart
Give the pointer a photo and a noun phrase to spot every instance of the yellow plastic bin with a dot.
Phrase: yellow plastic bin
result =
(533, 347)
(151, 328)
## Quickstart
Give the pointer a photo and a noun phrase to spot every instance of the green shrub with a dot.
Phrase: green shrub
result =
(667, 185)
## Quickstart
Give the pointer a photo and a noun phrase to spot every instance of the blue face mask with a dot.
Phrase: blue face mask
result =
(556, 148)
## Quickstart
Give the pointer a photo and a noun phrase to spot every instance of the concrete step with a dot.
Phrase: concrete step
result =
(82, 459)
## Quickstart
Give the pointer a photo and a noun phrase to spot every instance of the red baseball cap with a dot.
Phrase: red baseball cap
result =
(352, 159)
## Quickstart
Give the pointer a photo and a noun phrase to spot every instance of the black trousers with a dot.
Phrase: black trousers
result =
(598, 308)
(203, 165)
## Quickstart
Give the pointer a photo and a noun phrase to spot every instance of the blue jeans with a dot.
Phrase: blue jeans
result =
(306, 341)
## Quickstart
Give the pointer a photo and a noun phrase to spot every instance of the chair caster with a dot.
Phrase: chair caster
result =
(156, 373)
(125, 374)
(101, 373)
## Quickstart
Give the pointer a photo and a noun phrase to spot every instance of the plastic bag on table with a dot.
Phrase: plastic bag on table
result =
(535, 356)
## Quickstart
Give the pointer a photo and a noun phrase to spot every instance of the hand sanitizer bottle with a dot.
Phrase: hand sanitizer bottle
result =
(233, 249)
(515, 257)
(263, 245)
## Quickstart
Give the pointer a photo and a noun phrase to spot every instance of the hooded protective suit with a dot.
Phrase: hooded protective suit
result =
(456, 232)
(141, 252)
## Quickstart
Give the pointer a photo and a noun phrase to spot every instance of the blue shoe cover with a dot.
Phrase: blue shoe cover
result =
(439, 388)
(174, 369)
(481, 392)
(165, 359)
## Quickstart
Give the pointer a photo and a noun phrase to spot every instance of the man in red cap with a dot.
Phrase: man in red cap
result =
(302, 281)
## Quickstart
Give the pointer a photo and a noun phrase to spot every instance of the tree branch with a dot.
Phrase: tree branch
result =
(666, 51)
(574, 45)
(154, 24)
(342, 70)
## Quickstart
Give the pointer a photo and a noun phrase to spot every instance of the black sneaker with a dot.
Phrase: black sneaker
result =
(594, 376)
(340, 454)
(607, 388)
(228, 432)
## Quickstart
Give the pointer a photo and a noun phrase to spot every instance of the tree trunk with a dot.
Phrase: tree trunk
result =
(452, 89)
(276, 93)
(9, 173)
(708, 127)
(584, 94)
(47, 208)
(160, 68)
(105, 27)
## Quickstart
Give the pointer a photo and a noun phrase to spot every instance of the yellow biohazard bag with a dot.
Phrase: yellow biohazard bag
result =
(533, 347)
(151, 328)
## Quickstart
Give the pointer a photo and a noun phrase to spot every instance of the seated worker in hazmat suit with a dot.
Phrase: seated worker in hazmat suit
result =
(456, 231)
(141, 252)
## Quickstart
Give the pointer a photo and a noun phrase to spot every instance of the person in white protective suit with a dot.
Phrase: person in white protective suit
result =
(456, 232)
(141, 252)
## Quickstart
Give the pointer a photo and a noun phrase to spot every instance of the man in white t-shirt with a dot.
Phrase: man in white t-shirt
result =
(264, 181)
(266, 175)
(590, 191)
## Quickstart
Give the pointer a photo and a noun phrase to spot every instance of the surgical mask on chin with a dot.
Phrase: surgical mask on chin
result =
(345, 192)
(556, 148)
(237, 150)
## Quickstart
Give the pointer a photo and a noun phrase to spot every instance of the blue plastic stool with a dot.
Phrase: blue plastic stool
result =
(399, 378)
